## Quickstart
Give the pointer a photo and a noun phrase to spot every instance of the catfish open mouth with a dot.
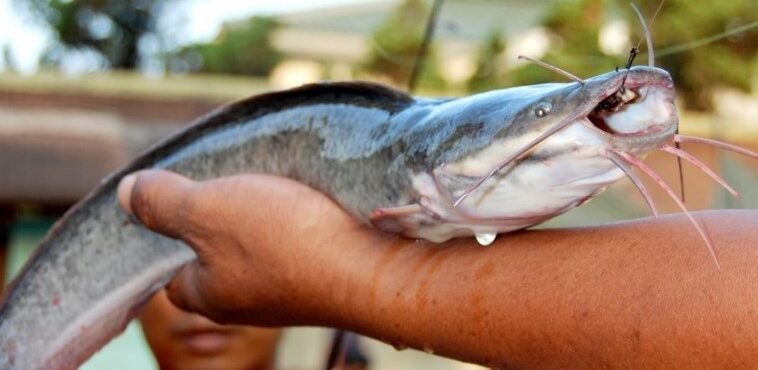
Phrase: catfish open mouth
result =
(611, 105)
(634, 111)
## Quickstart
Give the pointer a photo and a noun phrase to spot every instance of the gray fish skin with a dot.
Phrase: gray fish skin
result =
(357, 142)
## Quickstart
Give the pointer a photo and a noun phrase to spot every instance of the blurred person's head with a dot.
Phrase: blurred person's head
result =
(185, 341)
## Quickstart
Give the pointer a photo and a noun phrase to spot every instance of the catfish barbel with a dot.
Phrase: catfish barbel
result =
(425, 168)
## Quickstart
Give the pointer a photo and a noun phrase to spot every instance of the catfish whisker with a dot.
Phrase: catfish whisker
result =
(651, 60)
(621, 164)
(515, 156)
(697, 163)
(648, 37)
(448, 196)
(675, 49)
(652, 20)
(719, 144)
(657, 10)
(649, 171)
(553, 68)
(679, 168)
(650, 56)
(438, 184)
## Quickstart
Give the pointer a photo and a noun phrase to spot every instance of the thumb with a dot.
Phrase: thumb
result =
(158, 199)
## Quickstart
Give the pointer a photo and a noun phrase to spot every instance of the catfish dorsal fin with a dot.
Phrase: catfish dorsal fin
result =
(360, 93)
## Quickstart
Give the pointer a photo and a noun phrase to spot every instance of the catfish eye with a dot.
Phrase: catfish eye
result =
(543, 109)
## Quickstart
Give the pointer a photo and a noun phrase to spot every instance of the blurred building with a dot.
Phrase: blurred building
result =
(333, 41)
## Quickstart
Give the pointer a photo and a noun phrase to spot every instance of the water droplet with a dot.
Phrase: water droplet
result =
(485, 238)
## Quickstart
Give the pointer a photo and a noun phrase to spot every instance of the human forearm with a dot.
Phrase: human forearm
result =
(636, 295)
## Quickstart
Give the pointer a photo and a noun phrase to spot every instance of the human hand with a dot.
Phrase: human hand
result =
(637, 294)
(275, 239)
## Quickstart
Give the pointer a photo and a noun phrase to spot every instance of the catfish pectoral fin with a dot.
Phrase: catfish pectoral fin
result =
(391, 219)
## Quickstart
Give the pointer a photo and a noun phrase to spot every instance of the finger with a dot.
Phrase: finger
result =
(185, 292)
(182, 290)
(159, 200)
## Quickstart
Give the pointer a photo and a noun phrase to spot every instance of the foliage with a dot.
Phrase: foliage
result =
(396, 42)
(488, 75)
(574, 26)
(697, 70)
(110, 28)
(574, 29)
(240, 49)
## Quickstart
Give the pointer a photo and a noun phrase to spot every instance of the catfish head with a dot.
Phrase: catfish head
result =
(536, 151)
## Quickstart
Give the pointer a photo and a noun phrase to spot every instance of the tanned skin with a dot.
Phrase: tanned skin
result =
(637, 294)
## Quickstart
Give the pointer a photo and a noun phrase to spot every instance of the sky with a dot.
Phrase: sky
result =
(25, 41)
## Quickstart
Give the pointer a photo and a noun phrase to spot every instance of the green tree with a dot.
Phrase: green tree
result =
(696, 70)
(113, 29)
(489, 74)
(242, 48)
(576, 26)
(396, 42)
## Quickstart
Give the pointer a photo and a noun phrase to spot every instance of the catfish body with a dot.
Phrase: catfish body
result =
(387, 158)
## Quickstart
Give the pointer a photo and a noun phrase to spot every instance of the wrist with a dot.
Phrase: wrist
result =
(343, 285)
(325, 275)
(375, 283)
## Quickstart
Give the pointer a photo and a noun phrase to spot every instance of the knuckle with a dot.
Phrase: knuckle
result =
(179, 294)
(193, 216)
(176, 297)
